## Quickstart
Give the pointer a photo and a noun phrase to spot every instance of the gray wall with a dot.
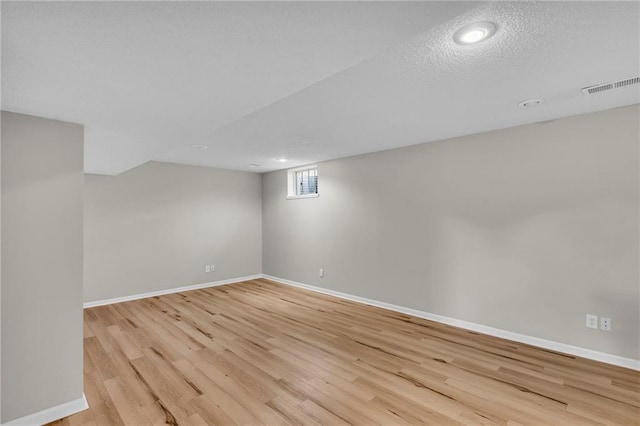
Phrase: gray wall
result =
(42, 264)
(0, 272)
(524, 229)
(155, 227)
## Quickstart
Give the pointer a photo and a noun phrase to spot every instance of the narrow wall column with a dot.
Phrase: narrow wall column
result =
(41, 278)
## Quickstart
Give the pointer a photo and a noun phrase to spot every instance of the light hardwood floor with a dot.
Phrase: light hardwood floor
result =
(263, 353)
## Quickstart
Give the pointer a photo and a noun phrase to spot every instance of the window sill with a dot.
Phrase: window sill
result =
(297, 197)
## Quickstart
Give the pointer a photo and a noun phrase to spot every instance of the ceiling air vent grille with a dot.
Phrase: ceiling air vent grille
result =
(609, 86)
(627, 82)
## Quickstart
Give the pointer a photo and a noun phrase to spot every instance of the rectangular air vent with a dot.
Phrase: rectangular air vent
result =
(627, 82)
(609, 86)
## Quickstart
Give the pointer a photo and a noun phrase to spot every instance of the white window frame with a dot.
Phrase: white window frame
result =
(291, 183)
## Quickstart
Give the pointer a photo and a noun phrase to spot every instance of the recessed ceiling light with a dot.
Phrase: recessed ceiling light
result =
(530, 103)
(282, 159)
(254, 165)
(200, 147)
(474, 33)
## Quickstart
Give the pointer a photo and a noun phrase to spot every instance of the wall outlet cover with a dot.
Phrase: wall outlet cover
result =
(592, 321)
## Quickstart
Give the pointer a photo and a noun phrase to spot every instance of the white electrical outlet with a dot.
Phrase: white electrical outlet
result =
(605, 324)
(592, 321)
(207, 268)
(213, 268)
(321, 273)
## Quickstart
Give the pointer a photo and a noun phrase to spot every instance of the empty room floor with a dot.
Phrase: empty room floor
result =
(259, 352)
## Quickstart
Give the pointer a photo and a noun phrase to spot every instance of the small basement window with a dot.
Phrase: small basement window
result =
(302, 182)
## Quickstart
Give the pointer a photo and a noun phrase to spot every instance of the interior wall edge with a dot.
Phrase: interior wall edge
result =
(633, 364)
(42, 220)
(51, 414)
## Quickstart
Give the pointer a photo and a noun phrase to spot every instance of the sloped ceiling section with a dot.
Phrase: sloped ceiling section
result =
(306, 81)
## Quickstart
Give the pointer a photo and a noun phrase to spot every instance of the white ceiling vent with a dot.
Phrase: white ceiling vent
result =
(609, 86)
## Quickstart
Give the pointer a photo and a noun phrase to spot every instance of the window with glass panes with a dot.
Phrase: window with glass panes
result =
(307, 181)
(302, 182)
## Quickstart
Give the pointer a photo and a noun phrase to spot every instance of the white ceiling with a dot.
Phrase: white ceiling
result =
(309, 81)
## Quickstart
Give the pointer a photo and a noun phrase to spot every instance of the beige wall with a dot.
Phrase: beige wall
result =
(524, 229)
(42, 264)
(155, 227)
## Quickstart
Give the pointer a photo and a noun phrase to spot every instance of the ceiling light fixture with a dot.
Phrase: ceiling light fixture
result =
(254, 165)
(282, 159)
(200, 147)
(474, 33)
(530, 103)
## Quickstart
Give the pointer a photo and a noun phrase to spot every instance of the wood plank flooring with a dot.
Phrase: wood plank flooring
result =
(263, 353)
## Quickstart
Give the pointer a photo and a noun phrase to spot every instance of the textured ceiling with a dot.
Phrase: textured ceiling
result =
(307, 81)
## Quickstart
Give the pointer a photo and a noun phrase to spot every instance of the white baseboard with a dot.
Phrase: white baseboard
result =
(51, 414)
(631, 363)
(168, 291)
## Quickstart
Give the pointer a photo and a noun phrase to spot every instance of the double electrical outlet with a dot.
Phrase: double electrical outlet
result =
(209, 268)
(592, 322)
